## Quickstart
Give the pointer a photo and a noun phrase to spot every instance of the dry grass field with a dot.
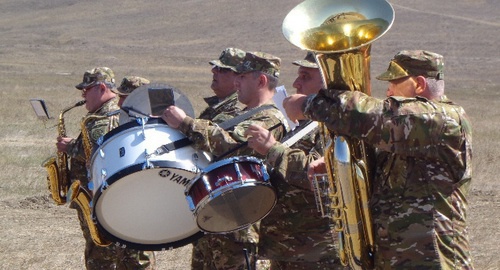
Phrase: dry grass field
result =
(45, 46)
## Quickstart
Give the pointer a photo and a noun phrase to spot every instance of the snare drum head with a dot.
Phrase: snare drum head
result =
(232, 194)
(236, 208)
(139, 101)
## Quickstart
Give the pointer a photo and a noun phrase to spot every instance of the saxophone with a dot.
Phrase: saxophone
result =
(57, 166)
(341, 43)
(82, 196)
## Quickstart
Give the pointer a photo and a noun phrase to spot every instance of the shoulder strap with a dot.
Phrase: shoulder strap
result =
(295, 135)
(242, 117)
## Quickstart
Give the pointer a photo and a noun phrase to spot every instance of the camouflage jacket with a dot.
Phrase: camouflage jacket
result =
(422, 176)
(96, 125)
(208, 136)
(229, 106)
(294, 231)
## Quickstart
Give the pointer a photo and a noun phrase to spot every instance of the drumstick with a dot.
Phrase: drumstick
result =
(245, 143)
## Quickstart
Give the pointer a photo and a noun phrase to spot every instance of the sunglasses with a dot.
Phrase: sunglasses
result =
(220, 69)
(85, 90)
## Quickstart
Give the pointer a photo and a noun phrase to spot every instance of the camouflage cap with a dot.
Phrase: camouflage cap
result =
(96, 75)
(308, 62)
(260, 61)
(129, 84)
(229, 58)
(414, 63)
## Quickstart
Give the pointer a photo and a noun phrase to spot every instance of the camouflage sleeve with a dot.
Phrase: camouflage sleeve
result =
(292, 163)
(405, 126)
(209, 137)
(73, 148)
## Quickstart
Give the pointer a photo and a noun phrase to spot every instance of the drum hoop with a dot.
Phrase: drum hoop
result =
(227, 161)
(219, 191)
(152, 122)
(205, 200)
(121, 174)
(152, 247)
(221, 163)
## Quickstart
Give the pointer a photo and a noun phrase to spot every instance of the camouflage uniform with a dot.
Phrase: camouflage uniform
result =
(229, 106)
(97, 257)
(202, 257)
(225, 251)
(294, 235)
(423, 168)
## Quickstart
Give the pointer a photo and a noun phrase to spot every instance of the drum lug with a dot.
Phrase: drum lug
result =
(147, 164)
(142, 122)
(101, 153)
(104, 174)
(104, 185)
(207, 184)
(190, 203)
(225, 179)
(100, 140)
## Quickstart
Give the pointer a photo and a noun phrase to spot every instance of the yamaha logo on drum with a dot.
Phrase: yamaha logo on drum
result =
(174, 177)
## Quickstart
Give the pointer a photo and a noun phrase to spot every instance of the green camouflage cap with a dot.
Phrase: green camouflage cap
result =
(308, 62)
(96, 75)
(260, 61)
(129, 84)
(414, 63)
(229, 58)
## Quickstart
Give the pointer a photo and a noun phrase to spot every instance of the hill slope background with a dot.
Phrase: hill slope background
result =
(45, 47)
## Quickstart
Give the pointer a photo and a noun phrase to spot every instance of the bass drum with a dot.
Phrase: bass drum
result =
(231, 194)
(138, 195)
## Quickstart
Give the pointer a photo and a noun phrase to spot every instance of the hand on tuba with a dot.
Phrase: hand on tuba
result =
(293, 107)
(316, 167)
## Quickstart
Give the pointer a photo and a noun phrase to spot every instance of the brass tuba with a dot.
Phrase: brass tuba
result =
(57, 166)
(340, 33)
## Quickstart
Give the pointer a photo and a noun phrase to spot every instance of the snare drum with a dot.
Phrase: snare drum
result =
(139, 197)
(231, 194)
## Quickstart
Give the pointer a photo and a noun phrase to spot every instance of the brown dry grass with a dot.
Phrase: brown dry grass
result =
(46, 45)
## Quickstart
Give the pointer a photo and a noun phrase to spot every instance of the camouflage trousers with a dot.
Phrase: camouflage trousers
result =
(112, 257)
(281, 265)
(217, 251)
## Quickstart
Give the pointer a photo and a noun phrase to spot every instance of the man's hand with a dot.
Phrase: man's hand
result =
(293, 107)
(259, 139)
(62, 143)
(316, 167)
(173, 116)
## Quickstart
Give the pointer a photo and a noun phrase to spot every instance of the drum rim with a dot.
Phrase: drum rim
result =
(151, 247)
(151, 122)
(204, 201)
(223, 162)
(218, 192)
(121, 174)
(105, 139)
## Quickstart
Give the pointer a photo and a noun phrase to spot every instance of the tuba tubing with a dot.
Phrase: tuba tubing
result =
(340, 33)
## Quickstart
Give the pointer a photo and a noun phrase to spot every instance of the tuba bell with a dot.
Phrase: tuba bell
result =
(340, 33)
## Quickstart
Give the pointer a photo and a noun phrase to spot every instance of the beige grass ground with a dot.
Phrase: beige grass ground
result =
(45, 46)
